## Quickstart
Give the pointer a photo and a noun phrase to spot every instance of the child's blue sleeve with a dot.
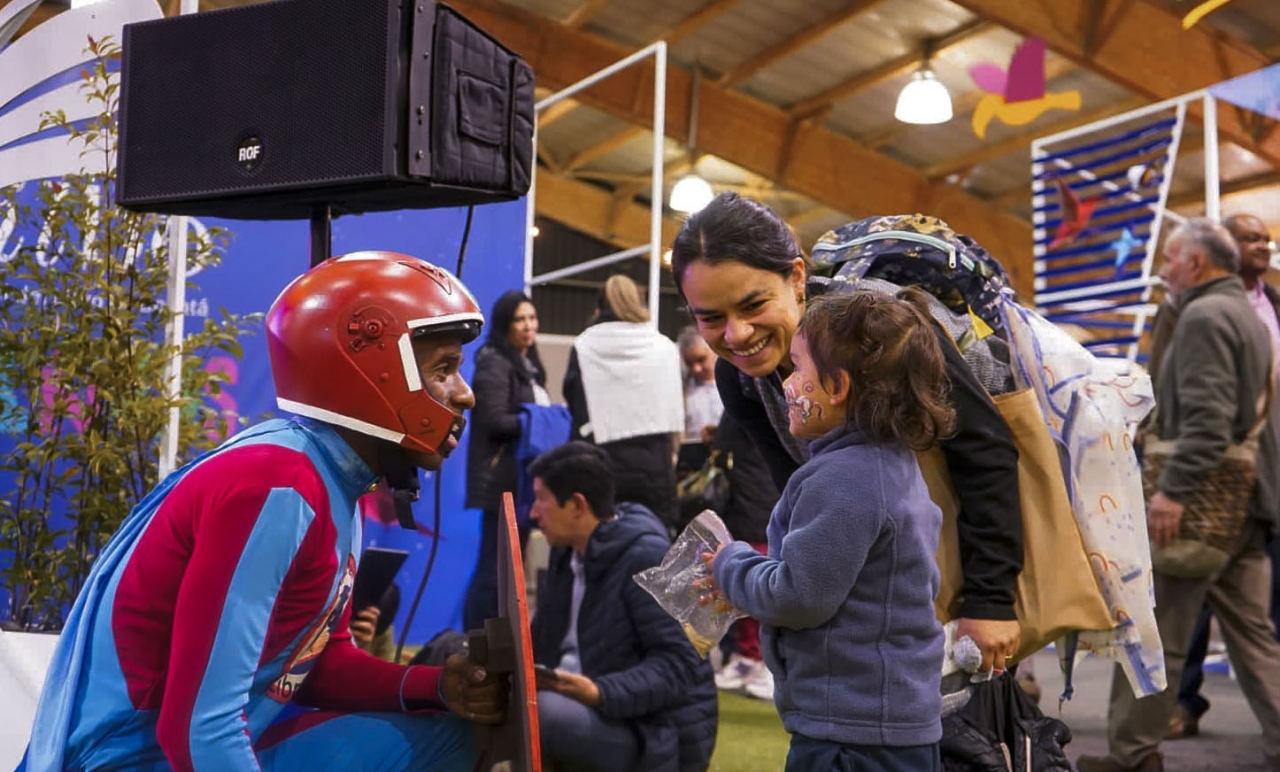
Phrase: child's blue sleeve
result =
(829, 535)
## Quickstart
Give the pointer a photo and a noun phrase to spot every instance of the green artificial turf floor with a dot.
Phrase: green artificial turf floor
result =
(751, 737)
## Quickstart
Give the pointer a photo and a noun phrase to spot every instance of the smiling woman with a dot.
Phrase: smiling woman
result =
(624, 392)
(743, 277)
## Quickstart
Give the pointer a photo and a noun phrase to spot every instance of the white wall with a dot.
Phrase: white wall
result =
(24, 658)
(554, 351)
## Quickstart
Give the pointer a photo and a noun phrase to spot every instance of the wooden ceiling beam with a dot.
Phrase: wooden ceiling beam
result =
(891, 69)
(826, 166)
(557, 111)
(1183, 61)
(1240, 187)
(603, 148)
(696, 21)
(794, 43)
(967, 161)
(548, 160)
(807, 217)
(760, 190)
(598, 212)
(585, 13)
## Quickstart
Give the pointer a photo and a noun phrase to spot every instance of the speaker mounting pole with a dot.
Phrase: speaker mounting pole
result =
(321, 234)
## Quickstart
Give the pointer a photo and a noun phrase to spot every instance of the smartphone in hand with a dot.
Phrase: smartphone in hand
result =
(544, 674)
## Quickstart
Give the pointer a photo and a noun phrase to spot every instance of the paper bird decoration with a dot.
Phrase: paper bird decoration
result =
(1124, 247)
(1142, 176)
(1201, 11)
(1017, 95)
(1075, 215)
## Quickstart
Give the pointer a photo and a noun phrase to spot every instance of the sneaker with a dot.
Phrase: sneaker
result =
(716, 658)
(760, 684)
(733, 676)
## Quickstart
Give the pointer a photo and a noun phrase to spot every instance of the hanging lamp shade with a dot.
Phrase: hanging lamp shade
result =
(924, 100)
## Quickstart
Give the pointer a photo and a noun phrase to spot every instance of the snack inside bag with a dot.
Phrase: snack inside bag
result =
(678, 583)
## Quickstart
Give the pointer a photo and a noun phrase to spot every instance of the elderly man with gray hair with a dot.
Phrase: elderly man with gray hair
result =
(1217, 365)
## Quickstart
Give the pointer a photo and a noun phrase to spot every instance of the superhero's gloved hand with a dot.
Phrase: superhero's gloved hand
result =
(473, 693)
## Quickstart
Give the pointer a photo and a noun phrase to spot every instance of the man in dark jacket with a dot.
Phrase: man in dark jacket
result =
(1218, 364)
(623, 689)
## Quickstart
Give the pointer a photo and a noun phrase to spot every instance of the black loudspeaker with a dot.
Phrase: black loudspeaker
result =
(269, 111)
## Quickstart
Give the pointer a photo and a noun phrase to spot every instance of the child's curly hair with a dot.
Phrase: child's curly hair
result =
(888, 347)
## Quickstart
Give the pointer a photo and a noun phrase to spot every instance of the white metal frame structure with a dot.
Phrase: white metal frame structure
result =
(1039, 153)
(659, 52)
(174, 336)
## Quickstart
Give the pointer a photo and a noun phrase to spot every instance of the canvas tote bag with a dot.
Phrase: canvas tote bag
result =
(1056, 591)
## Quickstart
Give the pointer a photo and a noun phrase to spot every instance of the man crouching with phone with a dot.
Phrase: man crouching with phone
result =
(620, 688)
(213, 632)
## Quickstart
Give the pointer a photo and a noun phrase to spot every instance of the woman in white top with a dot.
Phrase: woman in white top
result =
(623, 389)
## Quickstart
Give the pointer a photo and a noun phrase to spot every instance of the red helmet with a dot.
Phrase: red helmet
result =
(340, 342)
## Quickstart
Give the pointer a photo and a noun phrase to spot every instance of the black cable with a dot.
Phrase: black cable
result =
(431, 561)
(435, 520)
(466, 236)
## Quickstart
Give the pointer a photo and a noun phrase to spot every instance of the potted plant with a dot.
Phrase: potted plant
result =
(84, 396)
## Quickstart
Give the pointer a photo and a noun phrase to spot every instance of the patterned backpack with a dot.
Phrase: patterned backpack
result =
(921, 251)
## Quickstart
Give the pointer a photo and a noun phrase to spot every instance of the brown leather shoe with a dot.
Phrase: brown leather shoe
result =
(1152, 763)
(1182, 724)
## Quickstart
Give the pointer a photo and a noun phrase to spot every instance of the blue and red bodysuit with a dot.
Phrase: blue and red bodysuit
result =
(219, 608)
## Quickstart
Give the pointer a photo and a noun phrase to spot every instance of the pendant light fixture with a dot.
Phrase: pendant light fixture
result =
(924, 100)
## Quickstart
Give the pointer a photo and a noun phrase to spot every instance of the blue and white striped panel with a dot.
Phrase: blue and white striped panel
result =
(40, 72)
(1100, 278)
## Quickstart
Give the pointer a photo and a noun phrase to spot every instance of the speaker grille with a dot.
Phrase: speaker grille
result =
(308, 81)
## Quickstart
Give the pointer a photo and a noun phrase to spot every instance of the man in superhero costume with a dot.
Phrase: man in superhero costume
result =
(212, 633)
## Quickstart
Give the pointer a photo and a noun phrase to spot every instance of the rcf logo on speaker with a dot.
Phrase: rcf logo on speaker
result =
(249, 154)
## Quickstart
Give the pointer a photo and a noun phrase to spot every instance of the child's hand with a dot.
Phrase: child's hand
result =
(714, 594)
(710, 557)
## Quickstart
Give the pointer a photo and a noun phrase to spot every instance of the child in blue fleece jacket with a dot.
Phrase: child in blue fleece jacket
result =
(845, 594)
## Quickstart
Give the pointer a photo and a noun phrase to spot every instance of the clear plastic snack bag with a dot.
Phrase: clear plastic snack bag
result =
(675, 583)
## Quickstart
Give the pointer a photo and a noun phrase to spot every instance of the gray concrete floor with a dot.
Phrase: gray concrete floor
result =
(1230, 738)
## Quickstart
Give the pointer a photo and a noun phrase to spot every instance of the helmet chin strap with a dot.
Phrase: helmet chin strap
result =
(402, 477)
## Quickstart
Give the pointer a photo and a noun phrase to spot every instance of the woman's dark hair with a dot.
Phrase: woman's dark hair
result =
(500, 318)
(735, 228)
(578, 467)
(889, 349)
